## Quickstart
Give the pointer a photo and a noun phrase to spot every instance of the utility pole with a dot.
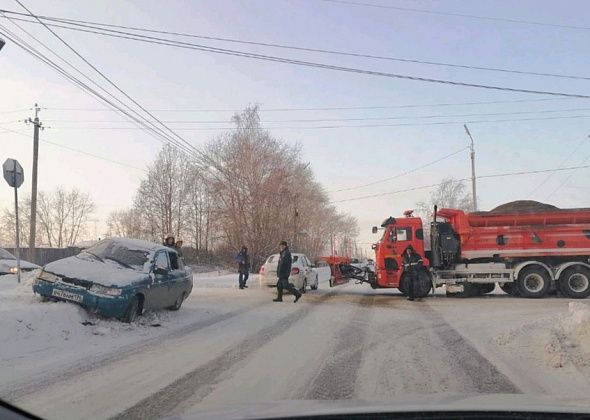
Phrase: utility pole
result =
(33, 222)
(472, 148)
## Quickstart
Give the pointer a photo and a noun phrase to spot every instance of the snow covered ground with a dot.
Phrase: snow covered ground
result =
(228, 347)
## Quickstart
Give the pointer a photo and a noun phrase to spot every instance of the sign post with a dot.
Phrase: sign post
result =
(14, 176)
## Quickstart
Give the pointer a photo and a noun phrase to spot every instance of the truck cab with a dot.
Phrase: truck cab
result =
(398, 234)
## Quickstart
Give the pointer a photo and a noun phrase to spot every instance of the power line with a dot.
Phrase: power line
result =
(402, 173)
(85, 23)
(501, 175)
(148, 125)
(14, 111)
(106, 78)
(463, 15)
(276, 59)
(20, 133)
(546, 111)
(340, 108)
(567, 178)
(77, 82)
(328, 127)
(572, 153)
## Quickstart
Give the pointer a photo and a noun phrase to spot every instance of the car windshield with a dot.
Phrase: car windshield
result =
(120, 253)
(5, 255)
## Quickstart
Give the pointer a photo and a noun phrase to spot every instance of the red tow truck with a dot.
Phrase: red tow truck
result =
(528, 248)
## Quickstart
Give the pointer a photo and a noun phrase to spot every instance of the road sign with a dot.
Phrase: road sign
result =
(13, 173)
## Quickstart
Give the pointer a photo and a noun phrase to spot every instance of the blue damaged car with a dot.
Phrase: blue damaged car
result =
(118, 278)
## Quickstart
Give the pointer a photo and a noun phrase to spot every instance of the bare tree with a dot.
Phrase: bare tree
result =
(8, 225)
(124, 224)
(450, 193)
(63, 216)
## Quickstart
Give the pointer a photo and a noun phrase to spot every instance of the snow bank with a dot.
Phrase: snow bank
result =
(556, 342)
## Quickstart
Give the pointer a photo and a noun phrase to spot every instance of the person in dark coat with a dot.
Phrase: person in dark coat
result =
(243, 260)
(169, 241)
(283, 273)
(412, 263)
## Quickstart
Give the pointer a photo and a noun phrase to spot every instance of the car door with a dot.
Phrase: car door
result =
(159, 289)
(177, 283)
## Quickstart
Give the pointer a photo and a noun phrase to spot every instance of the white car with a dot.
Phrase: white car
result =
(302, 272)
(8, 263)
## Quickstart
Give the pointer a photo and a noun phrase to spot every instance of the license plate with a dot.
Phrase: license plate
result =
(67, 295)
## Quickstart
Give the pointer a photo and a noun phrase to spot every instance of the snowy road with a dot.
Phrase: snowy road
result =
(230, 347)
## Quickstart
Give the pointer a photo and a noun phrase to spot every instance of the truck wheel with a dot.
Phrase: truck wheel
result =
(533, 282)
(509, 288)
(575, 282)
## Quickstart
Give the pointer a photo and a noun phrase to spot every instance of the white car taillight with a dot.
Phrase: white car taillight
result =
(295, 271)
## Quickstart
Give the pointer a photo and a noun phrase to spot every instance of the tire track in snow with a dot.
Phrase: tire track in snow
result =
(478, 372)
(199, 383)
(337, 377)
(52, 378)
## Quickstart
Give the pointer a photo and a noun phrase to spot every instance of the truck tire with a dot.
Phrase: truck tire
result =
(533, 282)
(421, 289)
(575, 282)
(509, 288)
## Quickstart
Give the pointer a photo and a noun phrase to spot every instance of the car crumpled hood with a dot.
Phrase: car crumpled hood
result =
(25, 265)
(85, 267)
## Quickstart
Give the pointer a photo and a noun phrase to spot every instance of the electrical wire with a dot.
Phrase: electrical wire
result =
(328, 127)
(463, 15)
(77, 82)
(330, 108)
(422, 187)
(402, 173)
(276, 59)
(299, 48)
(546, 111)
(43, 140)
(107, 79)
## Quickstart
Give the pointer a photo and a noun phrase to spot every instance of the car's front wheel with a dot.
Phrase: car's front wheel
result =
(132, 310)
(178, 302)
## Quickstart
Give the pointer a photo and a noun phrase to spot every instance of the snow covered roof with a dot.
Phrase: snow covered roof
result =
(135, 244)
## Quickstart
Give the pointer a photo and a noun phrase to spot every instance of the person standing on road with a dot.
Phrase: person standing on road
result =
(243, 260)
(283, 273)
(412, 263)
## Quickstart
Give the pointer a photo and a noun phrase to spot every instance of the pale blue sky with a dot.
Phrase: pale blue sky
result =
(161, 77)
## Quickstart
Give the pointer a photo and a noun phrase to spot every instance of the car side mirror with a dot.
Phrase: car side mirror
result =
(374, 230)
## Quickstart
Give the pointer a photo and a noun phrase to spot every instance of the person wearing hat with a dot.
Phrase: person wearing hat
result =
(283, 273)
(169, 241)
(412, 263)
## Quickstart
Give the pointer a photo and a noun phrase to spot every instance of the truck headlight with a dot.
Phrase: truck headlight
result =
(13, 270)
(108, 291)
(51, 278)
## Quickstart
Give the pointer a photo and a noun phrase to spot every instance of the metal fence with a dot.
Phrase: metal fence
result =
(46, 255)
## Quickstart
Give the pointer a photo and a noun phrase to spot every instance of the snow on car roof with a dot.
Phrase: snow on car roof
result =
(135, 244)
